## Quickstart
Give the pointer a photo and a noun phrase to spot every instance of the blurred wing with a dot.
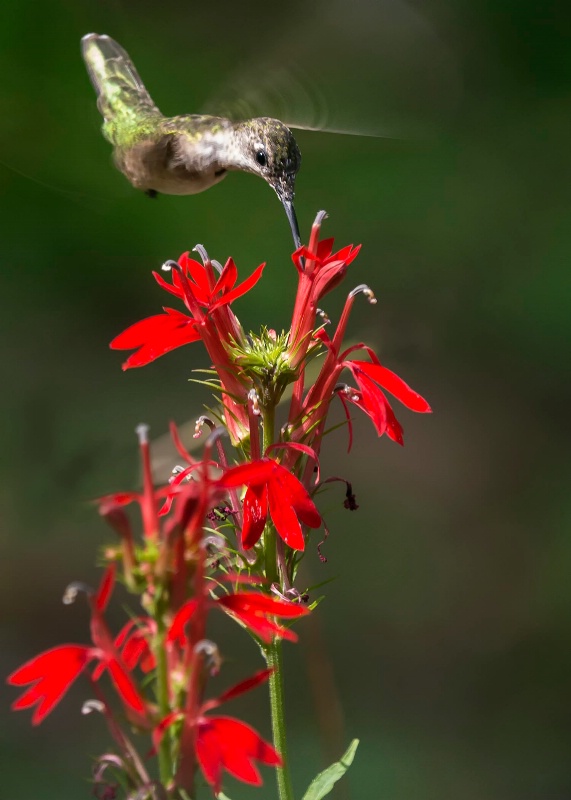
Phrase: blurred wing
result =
(120, 91)
(356, 67)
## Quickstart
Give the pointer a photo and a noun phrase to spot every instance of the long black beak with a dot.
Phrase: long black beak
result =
(290, 211)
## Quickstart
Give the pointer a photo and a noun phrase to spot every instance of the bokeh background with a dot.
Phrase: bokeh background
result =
(445, 638)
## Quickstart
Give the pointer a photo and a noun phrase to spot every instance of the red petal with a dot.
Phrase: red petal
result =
(283, 515)
(155, 336)
(227, 743)
(245, 686)
(180, 448)
(251, 474)
(262, 603)
(301, 502)
(263, 627)
(324, 249)
(372, 401)
(394, 428)
(169, 287)
(176, 632)
(210, 756)
(393, 384)
(253, 610)
(228, 277)
(52, 673)
(105, 588)
(197, 272)
(241, 289)
(255, 514)
(125, 686)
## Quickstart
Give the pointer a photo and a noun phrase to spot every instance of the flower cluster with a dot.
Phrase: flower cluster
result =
(169, 569)
(226, 533)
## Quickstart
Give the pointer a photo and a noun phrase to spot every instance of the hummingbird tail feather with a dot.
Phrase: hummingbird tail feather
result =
(121, 95)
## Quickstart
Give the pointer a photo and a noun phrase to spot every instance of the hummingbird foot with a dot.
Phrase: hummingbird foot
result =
(152, 193)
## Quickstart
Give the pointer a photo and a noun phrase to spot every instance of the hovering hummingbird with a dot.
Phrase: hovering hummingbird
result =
(189, 153)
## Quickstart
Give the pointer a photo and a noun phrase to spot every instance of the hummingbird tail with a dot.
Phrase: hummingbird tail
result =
(121, 95)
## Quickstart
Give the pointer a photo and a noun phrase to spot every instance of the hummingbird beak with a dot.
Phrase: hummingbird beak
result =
(290, 211)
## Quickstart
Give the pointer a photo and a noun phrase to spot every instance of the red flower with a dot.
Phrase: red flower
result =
(371, 400)
(52, 672)
(207, 297)
(154, 336)
(253, 609)
(225, 743)
(133, 641)
(271, 485)
(319, 271)
(196, 286)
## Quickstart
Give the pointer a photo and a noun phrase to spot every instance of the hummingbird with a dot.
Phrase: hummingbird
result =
(189, 153)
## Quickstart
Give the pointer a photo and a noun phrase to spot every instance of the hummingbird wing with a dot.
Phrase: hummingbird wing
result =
(354, 67)
(122, 97)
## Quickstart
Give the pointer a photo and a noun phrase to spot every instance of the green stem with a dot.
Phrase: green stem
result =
(274, 661)
(272, 652)
(166, 767)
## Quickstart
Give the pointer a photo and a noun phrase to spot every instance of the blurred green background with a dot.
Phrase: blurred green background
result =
(447, 631)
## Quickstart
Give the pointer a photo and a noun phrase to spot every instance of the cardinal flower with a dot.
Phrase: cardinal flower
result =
(273, 488)
(207, 297)
(319, 271)
(372, 400)
(224, 743)
(50, 674)
(253, 609)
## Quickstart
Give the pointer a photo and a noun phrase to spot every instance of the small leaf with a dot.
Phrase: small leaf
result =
(323, 783)
(222, 796)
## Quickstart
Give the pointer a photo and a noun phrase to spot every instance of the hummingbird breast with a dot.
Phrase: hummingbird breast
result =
(160, 166)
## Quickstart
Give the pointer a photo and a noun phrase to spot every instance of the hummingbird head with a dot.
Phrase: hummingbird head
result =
(268, 149)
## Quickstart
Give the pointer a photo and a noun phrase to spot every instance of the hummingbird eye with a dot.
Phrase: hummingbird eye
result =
(261, 158)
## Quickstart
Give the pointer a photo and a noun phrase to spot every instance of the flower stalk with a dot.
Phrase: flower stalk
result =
(225, 534)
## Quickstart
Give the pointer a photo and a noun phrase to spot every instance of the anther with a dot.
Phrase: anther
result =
(200, 423)
(142, 432)
(201, 250)
(362, 288)
(324, 316)
(170, 264)
(92, 705)
(71, 592)
(253, 399)
(321, 215)
(217, 266)
(213, 659)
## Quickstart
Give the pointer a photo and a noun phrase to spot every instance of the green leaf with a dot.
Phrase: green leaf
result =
(324, 782)
(222, 796)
